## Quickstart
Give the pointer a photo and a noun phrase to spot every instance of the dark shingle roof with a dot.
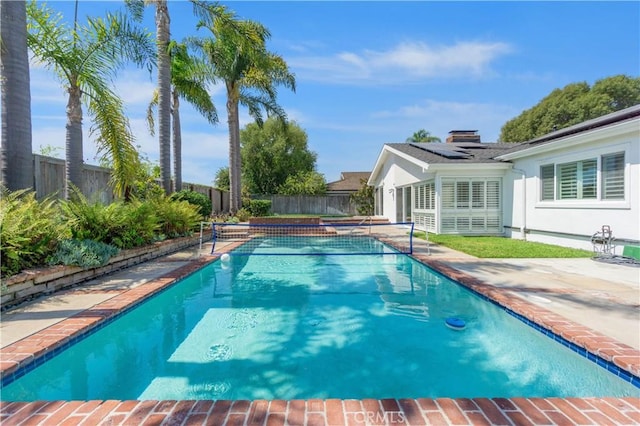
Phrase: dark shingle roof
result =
(626, 114)
(350, 181)
(482, 154)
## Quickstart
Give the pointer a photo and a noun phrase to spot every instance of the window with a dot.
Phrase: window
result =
(448, 195)
(462, 195)
(578, 180)
(547, 182)
(424, 196)
(493, 194)
(477, 195)
(612, 180)
(470, 206)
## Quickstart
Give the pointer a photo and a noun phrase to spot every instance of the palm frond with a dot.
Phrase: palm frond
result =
(151, 112)
(112, 132)
(50, 39)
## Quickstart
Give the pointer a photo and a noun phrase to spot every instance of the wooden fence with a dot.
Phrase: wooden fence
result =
(339, 204)
(49, 181)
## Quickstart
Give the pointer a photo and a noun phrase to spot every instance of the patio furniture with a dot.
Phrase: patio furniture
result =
(603, 241)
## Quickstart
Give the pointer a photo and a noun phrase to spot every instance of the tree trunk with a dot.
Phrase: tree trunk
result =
(73, 165)
(235, 186)
(177, 143)
(164, 93)
(16, 156)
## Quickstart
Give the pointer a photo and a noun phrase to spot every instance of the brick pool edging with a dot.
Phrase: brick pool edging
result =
(621, 411)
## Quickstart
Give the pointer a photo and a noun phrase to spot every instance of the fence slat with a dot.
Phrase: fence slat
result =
(339, 204)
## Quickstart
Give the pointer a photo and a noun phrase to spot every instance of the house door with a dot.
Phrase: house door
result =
(399, 204)
(407, 204)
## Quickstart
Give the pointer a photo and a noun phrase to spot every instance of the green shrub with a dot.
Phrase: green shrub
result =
(242, 215)
(92, 221)
(124, 225)
(364, 199)
(197, 199)
(139, 225)
(29, 231)
(259, 208)
(176, 218)
(83, 253)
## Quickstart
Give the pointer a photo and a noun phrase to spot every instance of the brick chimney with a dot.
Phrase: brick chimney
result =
(463, 136)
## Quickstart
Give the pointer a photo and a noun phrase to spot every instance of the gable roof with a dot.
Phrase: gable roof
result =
(428, 154)
(349, 181)
(462, 153)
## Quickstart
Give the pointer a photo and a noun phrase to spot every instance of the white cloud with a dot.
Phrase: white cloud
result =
(406, 61)
(135, 88)
(440, 117)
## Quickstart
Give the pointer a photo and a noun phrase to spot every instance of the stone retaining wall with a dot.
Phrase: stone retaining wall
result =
(36, 282)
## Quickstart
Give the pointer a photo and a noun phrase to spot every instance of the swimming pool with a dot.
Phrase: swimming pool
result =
(315, 327)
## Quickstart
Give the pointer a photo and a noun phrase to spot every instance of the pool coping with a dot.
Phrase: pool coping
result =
(41, 345)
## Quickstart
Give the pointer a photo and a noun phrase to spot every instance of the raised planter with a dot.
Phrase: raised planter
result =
(284, 221)
(33, 283)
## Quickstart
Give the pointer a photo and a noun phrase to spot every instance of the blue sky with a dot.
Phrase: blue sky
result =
(370, 73)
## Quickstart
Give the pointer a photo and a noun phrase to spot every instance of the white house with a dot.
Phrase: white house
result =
(560, 188)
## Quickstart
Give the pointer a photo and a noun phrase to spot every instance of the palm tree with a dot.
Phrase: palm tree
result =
(16, 157)
(189, 77)
(423, 136)
(85, 59)
(238, 56)
(163, 34)
(164, 92)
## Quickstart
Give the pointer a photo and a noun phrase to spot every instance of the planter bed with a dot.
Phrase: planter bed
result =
(33, 283)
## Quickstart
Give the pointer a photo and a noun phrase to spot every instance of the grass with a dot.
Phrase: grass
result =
(501, 247)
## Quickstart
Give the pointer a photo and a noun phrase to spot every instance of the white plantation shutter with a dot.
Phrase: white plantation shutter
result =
(471, 206)
(589, 179)
(448, 195)
(613, 176)
(493, 194)
(477, 195)
(568, 181)
(547, 182)
(431, 196)
(462, 195)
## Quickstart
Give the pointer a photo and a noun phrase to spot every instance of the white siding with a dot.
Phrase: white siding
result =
(571, 222)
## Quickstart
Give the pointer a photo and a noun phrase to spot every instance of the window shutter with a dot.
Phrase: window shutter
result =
(589, 178)
(477, 195)
(493, 194)
(431, 196)
(448, 195)
(613, 176)
(462, 195)
(568, 181)
(546, 182)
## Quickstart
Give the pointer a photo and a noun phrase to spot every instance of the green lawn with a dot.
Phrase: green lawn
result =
(501, 247)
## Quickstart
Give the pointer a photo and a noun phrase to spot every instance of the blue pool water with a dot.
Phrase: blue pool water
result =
(287, 327)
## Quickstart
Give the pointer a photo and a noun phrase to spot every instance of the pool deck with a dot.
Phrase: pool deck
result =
(594, 305)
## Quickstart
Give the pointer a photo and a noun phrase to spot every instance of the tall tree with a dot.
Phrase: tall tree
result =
(189, 78)
(423, 136)
(272, 153)
(573, 104)
(163, 35)
(238, 55)
(16, 157)
(86, 58)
